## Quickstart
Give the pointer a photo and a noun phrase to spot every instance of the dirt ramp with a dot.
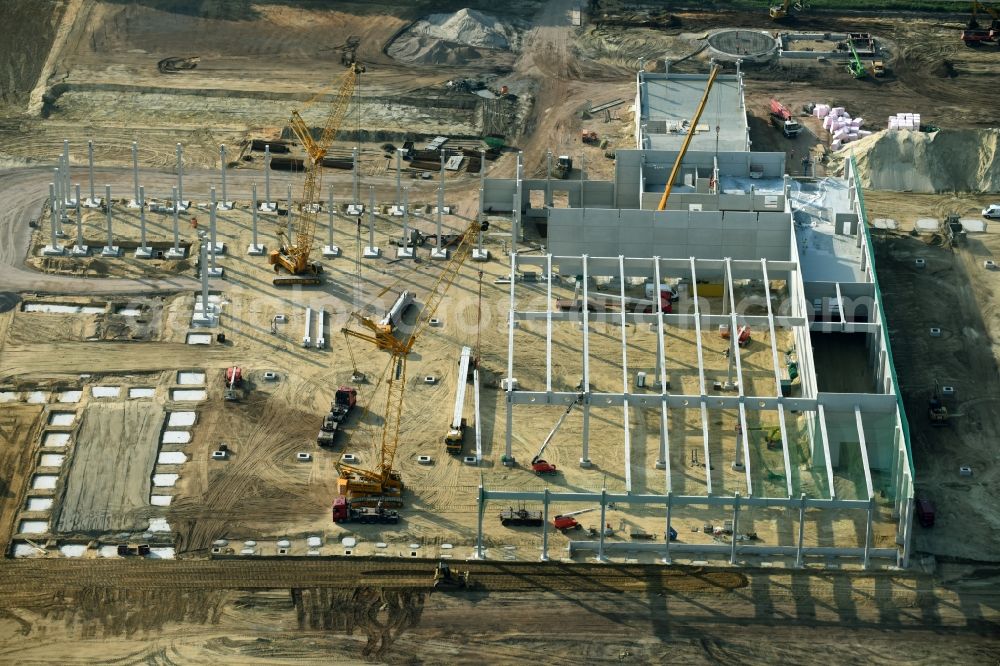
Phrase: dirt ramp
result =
(929, 162)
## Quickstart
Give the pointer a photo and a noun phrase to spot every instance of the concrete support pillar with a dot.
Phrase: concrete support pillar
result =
(478, 252)
(204, 313)
(397, 209)
(548, 178)
(180, 178)
(736, 528)
(439, 252)
(371, 251)
(225, 204)
(53, 248)
(92, 202)
(290, 239)
(868, 532)
(143, 251)
(509, 432)
(176, 252)
(66, 186)
(482, 169)
(405, 250)
(134, 203)
(802, 530)
(666, 536)
(59, 200)
(357, 176)
(583, 177)
(330, 250)
(585, 448)
(604, 516)
(109, 250)
(79, 250)
(545, 525)
(267, 207)
(213, 247)
(307, 334)
(481, 510)
(255, 249)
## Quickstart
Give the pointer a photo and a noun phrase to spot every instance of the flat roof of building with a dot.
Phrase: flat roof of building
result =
(825, 255)
(668, 101)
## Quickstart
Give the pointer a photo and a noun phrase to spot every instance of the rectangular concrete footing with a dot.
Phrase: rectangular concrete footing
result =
(53, 251)
(111, 251)
(442, 254)
(661, 464)
(356, 209)
(255, 250)
(179, 253)
(216, 272)
(396, 211)
(371, 253)
(204, 320)
(585, 463)
(220, 248)
(93, 203)
(80, 251)
(268, 207)
(330, 251)
(404, 253)
(480, 255)
(144, 252)
(225, 205)
(132, 203)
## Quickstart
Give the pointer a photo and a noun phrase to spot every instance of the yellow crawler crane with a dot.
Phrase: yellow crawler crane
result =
(293, 255)
(383, 484)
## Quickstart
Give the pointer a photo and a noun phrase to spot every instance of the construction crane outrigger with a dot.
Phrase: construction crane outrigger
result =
(293, 256)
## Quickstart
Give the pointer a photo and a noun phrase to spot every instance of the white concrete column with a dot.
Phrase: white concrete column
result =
(396, 209)
(92, 202)
(255, 249)
(548, 178)
(666, 536)
(478, 252)
(109, 250)
(79, 250)
(802, 529)
(267, 207)
(406, 250)
(330, 250)
(180, 177)
(545, 524)
(53, 248)
(176, 252)
(320, 324)
(204, 314)
(143, 251)
(371, 251)
(307, 335)
(225, 204)
(58, 199)
(213, 247)
(357, 176)
(134, 203)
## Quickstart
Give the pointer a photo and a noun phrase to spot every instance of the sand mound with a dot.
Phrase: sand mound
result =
(466, 26)
(453, 39)
(962, 160)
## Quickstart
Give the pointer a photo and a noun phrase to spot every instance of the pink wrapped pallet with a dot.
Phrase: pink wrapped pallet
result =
(835, 145)
(863, 133)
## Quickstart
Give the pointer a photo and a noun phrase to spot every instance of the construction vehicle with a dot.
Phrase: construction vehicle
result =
(742, 335)
(344, 401)
(344, 511)
(511, 517)
(854, 65)
(783, 11)
(878, 68)
(974, 34)
(781, 118)
(456, 429)
(566, 521)
(687, 139)
(293, 255)
(384, 483)
(444, 577)
(234, 379)
(539, 465)
(564, 164)
(926, 512)
(589, 137)
(937, 412)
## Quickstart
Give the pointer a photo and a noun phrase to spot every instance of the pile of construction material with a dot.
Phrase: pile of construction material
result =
(904, 121)
(840, 125)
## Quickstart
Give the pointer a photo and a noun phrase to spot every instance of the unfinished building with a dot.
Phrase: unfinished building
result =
(755, 398)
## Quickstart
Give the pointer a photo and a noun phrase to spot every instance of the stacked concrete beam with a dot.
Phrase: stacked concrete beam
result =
(307, 335)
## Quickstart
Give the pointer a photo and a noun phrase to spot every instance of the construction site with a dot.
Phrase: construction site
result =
(327, 328)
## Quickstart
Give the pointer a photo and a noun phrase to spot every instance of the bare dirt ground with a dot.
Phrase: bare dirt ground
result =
(253, 64)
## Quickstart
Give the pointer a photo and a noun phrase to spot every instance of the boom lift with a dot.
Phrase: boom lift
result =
(855, 66)
(293, 256)
(566, 521)
(540, 466)
(383, 483)
(687, 139)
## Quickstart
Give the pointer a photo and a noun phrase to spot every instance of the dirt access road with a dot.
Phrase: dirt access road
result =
(282, 611)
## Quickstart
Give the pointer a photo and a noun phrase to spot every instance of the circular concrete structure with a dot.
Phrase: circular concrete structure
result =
(746, 45)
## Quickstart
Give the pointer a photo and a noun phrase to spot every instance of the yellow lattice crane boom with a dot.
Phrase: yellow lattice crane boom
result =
(293, 255)
(383, 484)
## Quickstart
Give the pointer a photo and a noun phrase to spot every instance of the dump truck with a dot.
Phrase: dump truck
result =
(344, 511)
(511, 517)
(781, 118)
(343, 403)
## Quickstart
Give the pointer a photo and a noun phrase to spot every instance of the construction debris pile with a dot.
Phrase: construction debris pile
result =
(942, 161)
(840, 125)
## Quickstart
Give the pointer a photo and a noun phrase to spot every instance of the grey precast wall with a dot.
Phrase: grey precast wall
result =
(675, 234)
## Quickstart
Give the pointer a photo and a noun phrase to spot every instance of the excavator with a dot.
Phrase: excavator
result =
(974, 34)
(783, 11)
(364, 487)
(293, 255)
(687, 139)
